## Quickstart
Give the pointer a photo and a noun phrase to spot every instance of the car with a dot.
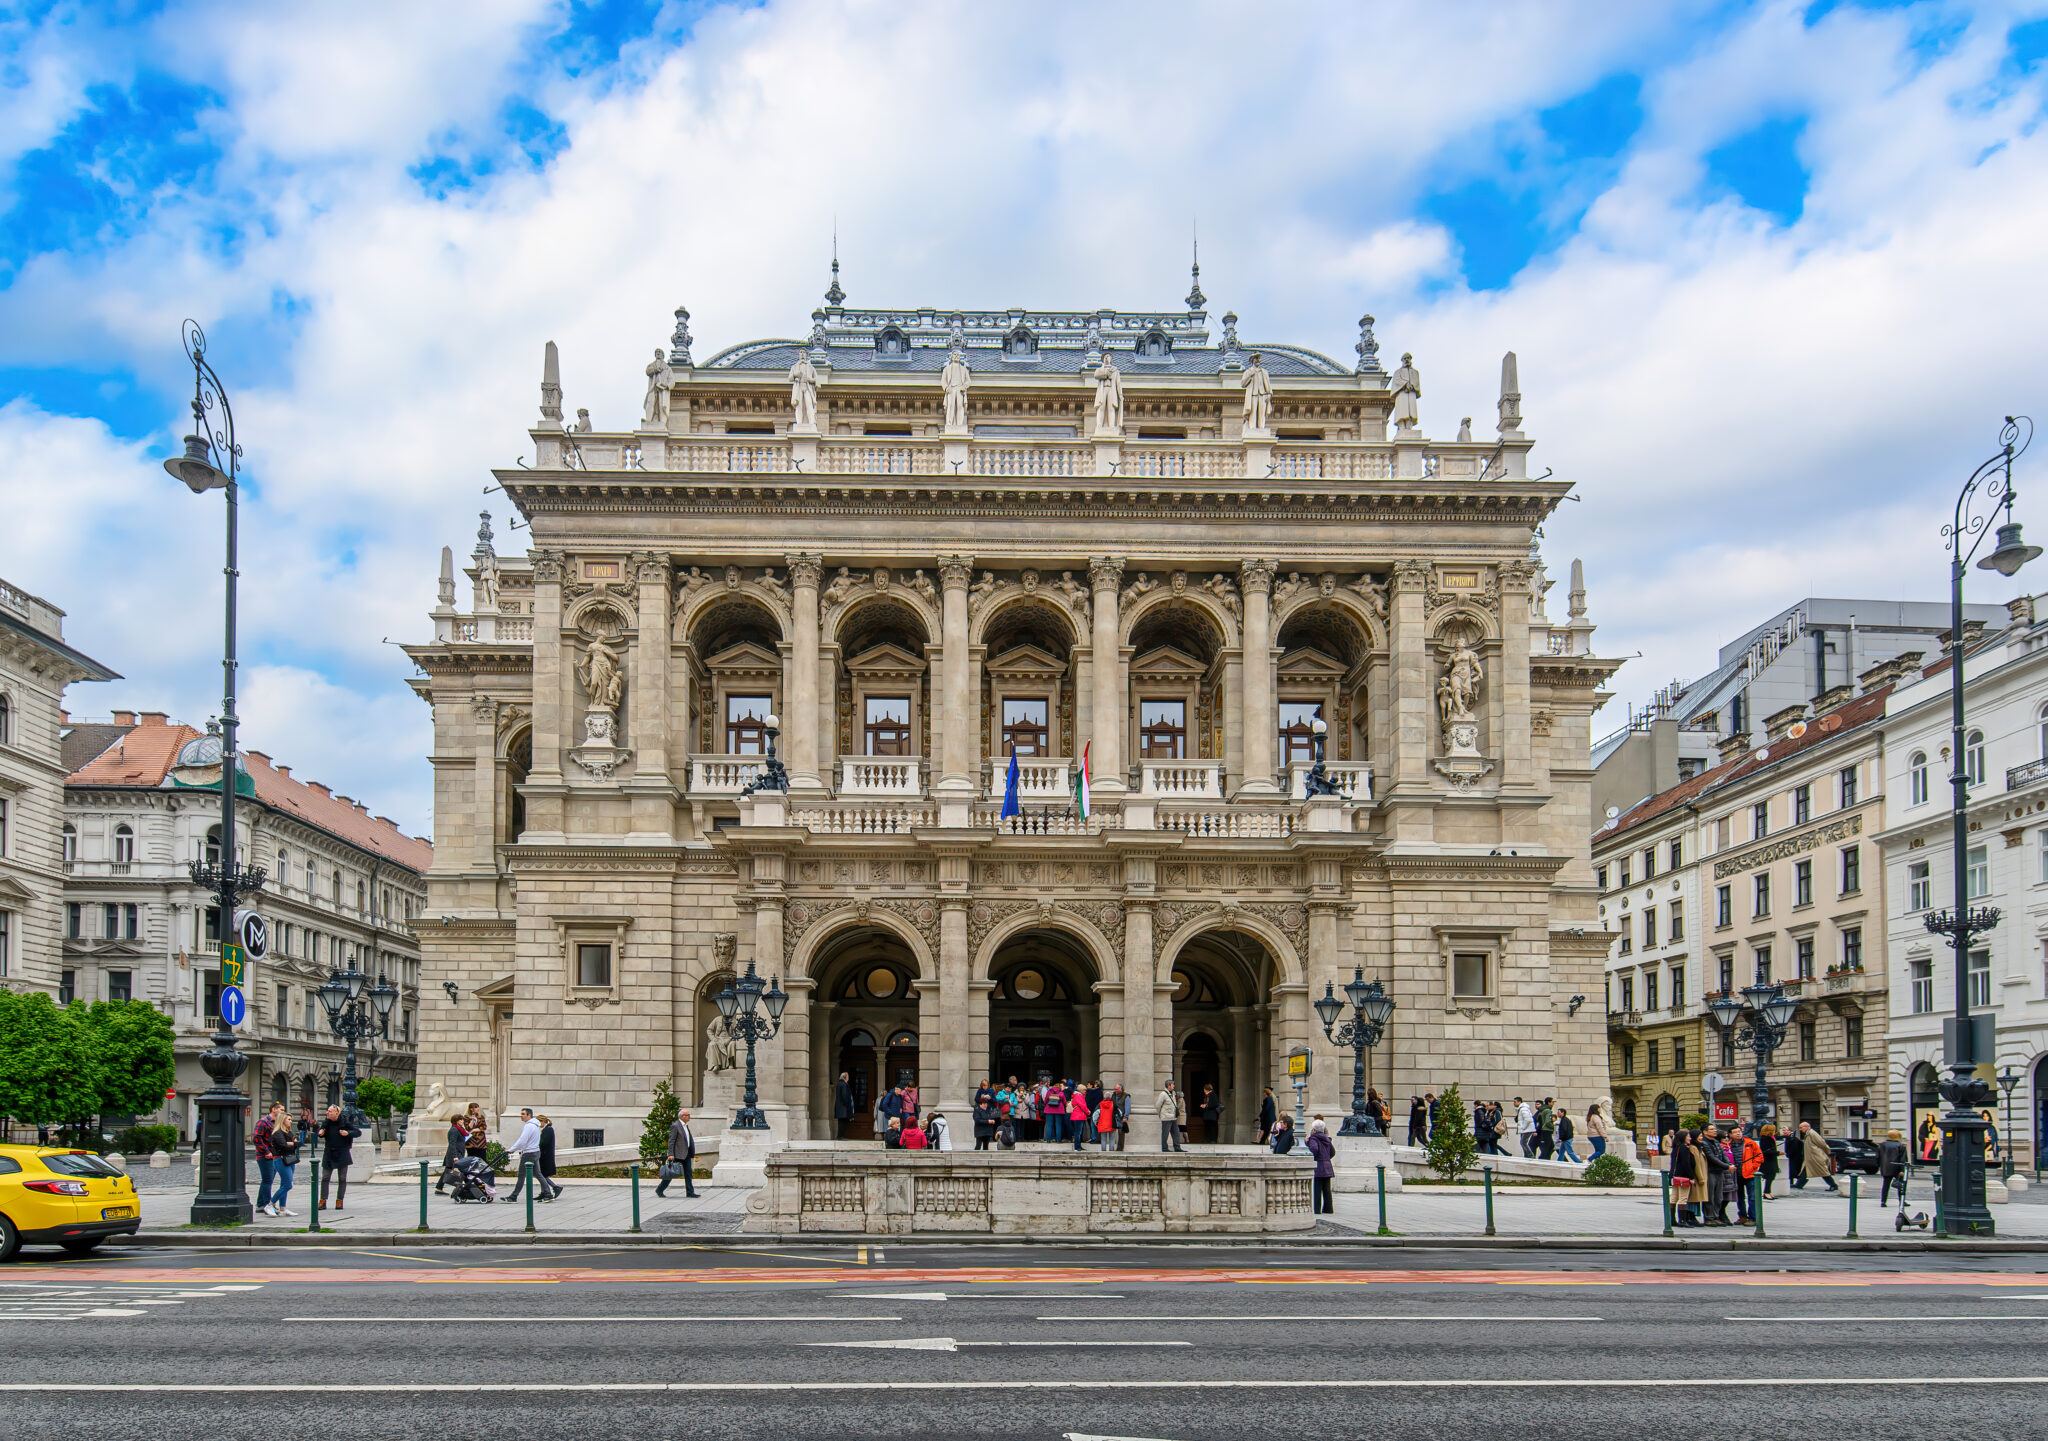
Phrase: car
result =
(1853, 1153)
(54, 1196)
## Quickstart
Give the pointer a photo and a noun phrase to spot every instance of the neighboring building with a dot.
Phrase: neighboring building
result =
(35, 666)
(1763, 867)
(1796, 657)
(142, 802)
(2005, 678)
(969, 544)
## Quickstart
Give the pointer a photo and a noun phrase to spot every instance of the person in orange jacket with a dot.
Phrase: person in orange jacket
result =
(1750, 1157)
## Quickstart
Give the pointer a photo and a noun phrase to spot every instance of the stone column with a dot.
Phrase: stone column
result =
(649, 736)
(1508, 736)
(1108, 713)
(484, 856)
(956, 1086)
(800, 712)
(823, 1072)
(547, 665)
(1414, 703)
(1261, 727)
(1241, 1116)
(961, 767)
(1141, 1075)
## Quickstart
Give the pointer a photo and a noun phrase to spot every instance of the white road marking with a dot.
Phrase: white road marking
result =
(574, 1320)
(983, 1296)
(2031, 1316)
(947, 1343)
(1262, 1383)
(1225, 1319)
(79, 1300)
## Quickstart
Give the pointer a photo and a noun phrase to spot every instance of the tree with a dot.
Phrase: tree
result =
(376, 1097)
(654, 1137)
(1451, 1149)
(47, 1065)
(132, 1049)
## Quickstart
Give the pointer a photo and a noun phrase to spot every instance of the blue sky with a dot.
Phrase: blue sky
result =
(1772, 270)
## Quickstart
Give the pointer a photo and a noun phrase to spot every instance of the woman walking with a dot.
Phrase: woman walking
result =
(284, 1152)
(1684, 1168)
(1767, 1140)
(1325, 1151)
(549, 1191)
(478, 1138)
(1418, 1121)
(1891, 1166)
(1596, 1130)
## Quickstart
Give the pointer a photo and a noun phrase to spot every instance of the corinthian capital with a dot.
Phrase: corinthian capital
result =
(1411, 575)
(547, 567)
(650, 569)
(1257, 577)
(956, 571)
(804, 570)
(1105, 572)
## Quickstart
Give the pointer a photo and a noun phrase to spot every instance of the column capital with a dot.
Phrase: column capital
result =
(547, 567)
(804, 570)
(1411, 574)
(650, 568)
(1105, 572)
(1256, 577)
(956, 571)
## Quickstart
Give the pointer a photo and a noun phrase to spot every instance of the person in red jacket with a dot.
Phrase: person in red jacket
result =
(1750, 1158)
(913, 1134)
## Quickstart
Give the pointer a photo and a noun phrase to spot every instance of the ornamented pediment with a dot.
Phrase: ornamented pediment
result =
(886, 660)
(745, 658)
(1306, 664)
(1026, 662)
(1167, 662)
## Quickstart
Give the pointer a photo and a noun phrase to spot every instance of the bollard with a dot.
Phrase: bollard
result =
(313, 1183)
(634, 1171)
(423, 1195)
(1853, 1179)
(526, 1181)
(1940, 1225)
(1383, 1201)
(1756, 1203)
(1487, 1172)
(1664, 1182)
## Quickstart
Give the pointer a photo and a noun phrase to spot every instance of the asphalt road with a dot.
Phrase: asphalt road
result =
(837, 1341)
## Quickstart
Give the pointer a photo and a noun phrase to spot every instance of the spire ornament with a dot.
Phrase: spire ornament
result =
(1367, 347)
(1196, 300)
(679, 343)
(834, 295)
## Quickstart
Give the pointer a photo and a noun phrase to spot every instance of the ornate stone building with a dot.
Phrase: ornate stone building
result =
(930, 541)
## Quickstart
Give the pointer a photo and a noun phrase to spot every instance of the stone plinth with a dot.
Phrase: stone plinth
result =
(743, 1155)
(1358, 1161)
(821, 1187)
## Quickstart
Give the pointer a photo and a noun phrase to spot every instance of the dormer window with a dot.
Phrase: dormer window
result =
(1021, 344)
(892, 342)
(1154, 345)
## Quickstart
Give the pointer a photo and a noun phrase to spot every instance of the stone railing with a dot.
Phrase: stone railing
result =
(731, 457)
(1315, 462)
(1177, 460)
(904, 458)
(1040, 821)
(1227, 824)
(823, 1186)
(723, 775)
(1353, 779)
(1039, 778)
(854, 819)
(881, 776)
(1181, 780)
(2026, 775)
(1074, 458)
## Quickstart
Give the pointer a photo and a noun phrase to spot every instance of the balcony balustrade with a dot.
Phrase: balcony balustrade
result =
(1181, 780)
(881, 776)
(2026, 775)
(1041, 822)
(1040, 779)
(863, 819)
(722, 775)
(1353, 779)
(1209, 823)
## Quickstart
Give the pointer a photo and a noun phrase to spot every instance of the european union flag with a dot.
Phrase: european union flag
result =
(1010, 806)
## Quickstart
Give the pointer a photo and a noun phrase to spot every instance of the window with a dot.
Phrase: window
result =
(124, 845)
(67, 987)
(312, 1011)
(212, 995)
(6, 721)
(110, 922)
(1649, 927)
(70, 843)
(1852, 1037)
(3, 828)
(1845, 780)
(1802, 805)
(1852, 948)
(1297, 730)
(6, 940)
(1852, 869)
(1923, 987)
(1977, 873)
(1728, 1047)
(312, 875)
(74, 921)
(1025, 727)
(1628, 993)
(1649, 862)
(1763, 895)
(1973, 758)
(1468, 973)
(1760, 820)
(1678, 988)
(1721, 834)
(1678, 1055)
(1628, 938)
(1802, 883)
(1162, 730)
(1724, 905)
(1980, 978)
(211, 919)
(1809, 1040)
(336, 888)
(593, 964)
(1802, 952)
(887, 728)
(1763, 964)
(284, 868)
(746, 724)
(1677, 932)
(1650, 991)
(131, 916)
(1919, 887)
(212, 845)
(1622, 871)
(120, 985)
(1628, 1060)
(284, 1005)
(1650, 1049)
(1727, 974)
(1916, 778)
(2042, 838)
(1677, 857)
(1600, 875)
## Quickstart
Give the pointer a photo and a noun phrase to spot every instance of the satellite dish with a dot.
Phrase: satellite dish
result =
(1613, 811)
(1797, 730)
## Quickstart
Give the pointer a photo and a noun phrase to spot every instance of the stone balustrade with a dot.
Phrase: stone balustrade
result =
(1212, 823)
(830, 1187)
(881, 776)
(723, 775)
(1181, 780)
(1353, 779)
(1039, 778)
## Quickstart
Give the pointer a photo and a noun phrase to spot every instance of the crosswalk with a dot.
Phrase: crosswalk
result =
(93, 1300)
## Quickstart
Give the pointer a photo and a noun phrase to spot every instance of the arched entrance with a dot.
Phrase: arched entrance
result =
(281, 1088)
(1225, 1028)
(865, 1026)
(1923, 1098)
(1667, 1115)
(1042, 1012)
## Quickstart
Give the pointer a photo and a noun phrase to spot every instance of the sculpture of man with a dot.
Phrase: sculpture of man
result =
(955, 378)
(1407, 396)
(720, 1050)
(659, 377)
(602, 679)
(803, 393)
(1258, 395)
(1109, 399)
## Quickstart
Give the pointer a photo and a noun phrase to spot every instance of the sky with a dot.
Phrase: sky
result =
(1773, 272)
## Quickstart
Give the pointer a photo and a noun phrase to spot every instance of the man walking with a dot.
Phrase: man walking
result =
(842, 1105)
(1269, 1115)
(527, 1149)
(1525, 1127)
(337, 1155)
(682, 1149)
(1546, 1125)
(1171, 1113)
(1817, 1158)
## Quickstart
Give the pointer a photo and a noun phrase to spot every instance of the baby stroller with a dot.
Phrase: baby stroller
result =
(470, 1179)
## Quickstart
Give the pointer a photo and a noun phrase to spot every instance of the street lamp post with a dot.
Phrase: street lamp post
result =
(773, 776)
(1371, 1007)
(2007, 1079)
(742, 1003)
(354, 1017)
(1963, 1208)
(223, 1187)
(1771, 1011)
(1317, 782)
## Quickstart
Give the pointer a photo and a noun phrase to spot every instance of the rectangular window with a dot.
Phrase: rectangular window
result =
(1649, 927)
(1977, 875)
(212, 996)
(746, 726)
(1677, 857)
(888, 726)
(1721, 834)
(1649, 862)
(110, 922)
(2041, 837)
(1763, 895)
(67, 987)
(1600, 875)
(1923, 987)
(1727, 974)
(1628, 1060)
(131, 922)
(1980, 978)
(1025, 728)
(1628, 993)
(1677, 933)
(1651, 1051)
(593, 964)
(1852, 870)
(284, 1005)
(1628, 938)
(1763, 964)
(1852, 1037)
(1802, 883)
(1809, 1040)
(1724, 905)
(3, 828)
(1802, 804)
(312, 1012)
(1760, 820)
(74, 920)
(6, 940)
(212, 920)
(1852, 948)
(1678, 988)
(1622, 871)
(1468, 974)
(1802, 951)
(1297, 730)
(1728, 1047)
(120, 985)
(1919, 887)
(1846, 779)
(1650, 991)
(1162, 730)
(1678, 1055)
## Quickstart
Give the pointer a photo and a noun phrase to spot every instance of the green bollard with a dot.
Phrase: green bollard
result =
(526, 1181)
(1756, 1203)
(423, 1195)
(1487, 1172)
(1853, 1179)
(634, 1171)
(1383, 1201)
(1664, 1181)
(313, 1185)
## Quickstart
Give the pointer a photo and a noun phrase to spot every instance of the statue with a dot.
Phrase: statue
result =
(1465, 430)
(1284, 588)
(721, 1049)
(1464, 675)
(922, 584)
(982, 589)
(1225, 590)
(659, 378)
(602, 679)
(582, 420)
(1137, 588)
(437, 1107)
(1075, 592)
(803, 394)
(487, 583)
(955, 377)
(840, 588)
(1258, 396)
(1109, 400)
(1407, 397)
(1373, 591)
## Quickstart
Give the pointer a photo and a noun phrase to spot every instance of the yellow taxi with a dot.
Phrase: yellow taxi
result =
(50, 1196)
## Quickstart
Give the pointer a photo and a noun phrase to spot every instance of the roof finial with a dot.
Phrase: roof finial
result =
(483, 534)
(835, 295)
(1196, 300)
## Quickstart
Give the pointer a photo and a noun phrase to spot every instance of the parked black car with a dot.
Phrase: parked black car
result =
(1854, 1154)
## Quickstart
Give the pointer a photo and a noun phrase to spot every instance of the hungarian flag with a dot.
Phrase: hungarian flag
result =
(1081, 783)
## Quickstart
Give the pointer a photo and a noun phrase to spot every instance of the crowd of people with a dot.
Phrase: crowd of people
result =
(532, 1152)
(282, 1141)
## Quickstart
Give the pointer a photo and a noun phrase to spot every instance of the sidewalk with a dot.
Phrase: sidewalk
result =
(386, 1206)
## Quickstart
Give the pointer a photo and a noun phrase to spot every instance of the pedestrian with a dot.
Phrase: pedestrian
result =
(1170, 1113)
(525, 1151)
(1269, 1114)
(1749, 1159)
(1210, 1109)
(1325, 1151)
(1525, 1127)
(1418, 1121)
(1892, 1157)
(1382, 1114)
(937, 1135)
(1767, 1141)
(892, 1134)
(1023, 1114)
(477, 1138)
(1795, 1158)
(1718, 1192)
(453, 1151)
(1564, 1137)
(678, 1164)
(1684, 1168)
(1429, 1119)
(1080, 1120)
(1482, 1129)
(337, 1137)
(284, 1149)
(1991, 1155)
(1817, 1159)
(1283, 1136)
(1120, 1105)
(266, 1159)
(985, 1094)
(1546, 1123)
(1055, 1110)
(843, 1109)
(547, 1157)
(914, 1138)
(1596, 1130)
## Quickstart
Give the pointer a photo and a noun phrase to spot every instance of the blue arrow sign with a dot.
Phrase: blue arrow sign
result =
(233, 1008)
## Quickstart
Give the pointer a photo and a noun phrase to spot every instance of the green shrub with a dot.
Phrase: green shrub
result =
(1451, 1149)
(498, 1158)
(662, 1115)
(1692, 1121)
(143, 1140)
(1610, 1170)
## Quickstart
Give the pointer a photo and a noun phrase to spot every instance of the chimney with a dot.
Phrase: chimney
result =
(1732, 748)
(2021, 609)
(1777, 724)
(257, 755)
(1897, 668)
(1833, 697)
(285, 771)
(124, 717)
(63, 717)
(155, 718)
(316, 786)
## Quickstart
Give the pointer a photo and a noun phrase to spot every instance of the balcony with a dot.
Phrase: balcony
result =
(1624, 1020)
(485, 629)
(863, 818)
(722, 775)
(2026, 775)
(881, 776)
(1181, 780)
(1041, 822)
(1213, 823)
(1041, 780)
(1353, 779)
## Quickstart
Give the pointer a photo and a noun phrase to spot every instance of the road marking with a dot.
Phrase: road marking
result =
(1317, 1319)
(67, 1301)
(1262, 1383)
(578, 1320)
(947, 1343)
(986, 1296)
(387, 1256)
(2027, 1316)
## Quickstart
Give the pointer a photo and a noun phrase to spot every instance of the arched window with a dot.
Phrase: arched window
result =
(1154, 346)
(1021, 344)
(892, 342)
(70, 843)
(312, 874)
(1916, 778)
(904, 1038)
(284, 868)
(124, 845)
(1973, 758)
(213, 845)
(362, 896)
(6, 720)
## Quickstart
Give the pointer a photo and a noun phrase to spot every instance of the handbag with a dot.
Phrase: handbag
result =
(671, 1170)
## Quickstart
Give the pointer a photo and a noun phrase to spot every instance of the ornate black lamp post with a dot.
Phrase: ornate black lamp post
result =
(1963, 1208)
(1370, 1008)
(773, 777)
(741, 1003)
(1317, 781)
(1771, 1016)
(2007, 1079)
(350, 1016)
(223, 1188)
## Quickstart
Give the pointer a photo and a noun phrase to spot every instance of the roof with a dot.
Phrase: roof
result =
(350, 822)
(1862, 711)
(135, 755)
(86, 741)
(780, 355)
(88, 668)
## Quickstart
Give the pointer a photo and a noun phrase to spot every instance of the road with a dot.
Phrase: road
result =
(997, 1343)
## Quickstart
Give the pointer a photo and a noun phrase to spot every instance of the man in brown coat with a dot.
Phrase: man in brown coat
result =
(1816, 1158)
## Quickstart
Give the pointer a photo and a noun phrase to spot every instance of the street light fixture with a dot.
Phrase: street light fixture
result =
(741, 1003)
(1371, 1008)
(355, 1019)
(1963, 1208)
(1773, 1011)
(773, 776)
(1317, 782)
(2007, 1078)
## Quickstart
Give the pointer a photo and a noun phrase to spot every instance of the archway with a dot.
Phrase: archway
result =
(865, 1026)
(281, 1088)
(736, 674)
(1923, 1099)
(1042, 1011)
(884, 685)
(1324, 656)
(1027, 695)
(1667, 1115)
(1176, 684)
(1226, 1026)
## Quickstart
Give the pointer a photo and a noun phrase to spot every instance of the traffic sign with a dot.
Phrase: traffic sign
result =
(254, 934)
(1298, 1065)
(1711, 1082)
(233, 1009)
(233, 965)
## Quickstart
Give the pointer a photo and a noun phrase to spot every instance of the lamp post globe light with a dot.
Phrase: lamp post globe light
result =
(212, 461)
(1317, 782)
(354, 1017)
(1771, 1016)
(1963, 1208)
(2007, 1079)
(773, 777)
(1371, 1007)
(753, 1013)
